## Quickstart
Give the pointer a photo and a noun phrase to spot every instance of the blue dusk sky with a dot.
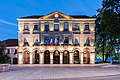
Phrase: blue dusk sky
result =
(10, 10)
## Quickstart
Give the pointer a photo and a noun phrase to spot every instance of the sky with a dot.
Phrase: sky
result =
(10, 10)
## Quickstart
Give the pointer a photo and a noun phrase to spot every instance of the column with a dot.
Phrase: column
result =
(31, 57)
(41, 58)
(51, 57)
(61, 58)
(92, 58)
(20, 58)
(81, 57)
(71, 58)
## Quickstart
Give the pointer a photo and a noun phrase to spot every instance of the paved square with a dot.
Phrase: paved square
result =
(63, 72)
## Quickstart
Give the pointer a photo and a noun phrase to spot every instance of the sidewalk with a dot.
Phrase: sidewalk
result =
(62, 65)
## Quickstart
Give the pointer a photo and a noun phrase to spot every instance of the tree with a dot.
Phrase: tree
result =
(108, 28)
(4, 57)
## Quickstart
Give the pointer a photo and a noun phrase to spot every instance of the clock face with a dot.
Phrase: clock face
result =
(56, 15)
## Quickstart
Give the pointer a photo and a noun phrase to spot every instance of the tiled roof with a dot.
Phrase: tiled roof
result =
(11, 42)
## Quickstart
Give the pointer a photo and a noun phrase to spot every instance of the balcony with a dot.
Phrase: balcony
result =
(86, 32)
(35, 31)
(26, 31)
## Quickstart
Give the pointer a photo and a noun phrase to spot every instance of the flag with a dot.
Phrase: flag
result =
(87, 40)
(51, 42)
(56, 41)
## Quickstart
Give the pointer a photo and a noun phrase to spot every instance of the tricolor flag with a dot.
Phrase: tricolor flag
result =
(51, 42)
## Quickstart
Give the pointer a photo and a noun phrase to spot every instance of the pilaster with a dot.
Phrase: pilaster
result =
(51, 57)
(92, 58)
(20, 58)
(81, 61)
(61, 57)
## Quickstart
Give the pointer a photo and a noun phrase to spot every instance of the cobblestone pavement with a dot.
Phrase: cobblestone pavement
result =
(64, 72)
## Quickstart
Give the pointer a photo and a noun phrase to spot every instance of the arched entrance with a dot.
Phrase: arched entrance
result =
(86, 57)
(56, 57)
(66, 57)
(47, 57)
(76, 57)
(26, 57)
(36, 57)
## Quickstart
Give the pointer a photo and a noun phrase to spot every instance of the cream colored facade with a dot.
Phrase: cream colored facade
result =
(60, 46)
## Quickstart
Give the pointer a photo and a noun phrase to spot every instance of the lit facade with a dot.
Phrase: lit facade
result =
(56, 38)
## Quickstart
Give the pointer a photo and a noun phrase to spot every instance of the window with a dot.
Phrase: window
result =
(56, 27)
(26, 27)
(75, 41)
(86, 27)
(36, 42)
(87, 42)
(35, 27)
(66, 26)
(66, 41)
(8, 51)
(76, 27)
(46, 40)
(46, 26)
(15, 51)
(25, 41)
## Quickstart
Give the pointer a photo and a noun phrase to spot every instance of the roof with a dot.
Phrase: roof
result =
(11, 42)
(39, 16)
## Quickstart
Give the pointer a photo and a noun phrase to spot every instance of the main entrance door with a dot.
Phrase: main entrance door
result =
(76, 57)
(86, 57)
(26, 57)
(46, 57)
(56, 57)
(36, 57)
(66, 57)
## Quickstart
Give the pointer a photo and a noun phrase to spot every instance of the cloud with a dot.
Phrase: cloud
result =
(7, 22)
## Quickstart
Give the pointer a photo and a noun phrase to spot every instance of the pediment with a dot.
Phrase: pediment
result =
(56, 14)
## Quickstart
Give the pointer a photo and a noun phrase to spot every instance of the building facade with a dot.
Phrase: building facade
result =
(56, 38)
(11, 50)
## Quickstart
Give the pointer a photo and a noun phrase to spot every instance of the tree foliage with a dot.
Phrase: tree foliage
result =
(108, 28)
(4, 57)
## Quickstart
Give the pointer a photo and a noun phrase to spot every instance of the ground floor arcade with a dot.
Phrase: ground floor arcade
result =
(56, 57)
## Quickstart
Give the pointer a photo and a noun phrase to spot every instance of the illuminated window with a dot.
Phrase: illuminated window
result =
(66, 26)
(56, 27)
(46, 26)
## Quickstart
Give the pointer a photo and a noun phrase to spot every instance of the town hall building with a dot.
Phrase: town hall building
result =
(56, 38)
